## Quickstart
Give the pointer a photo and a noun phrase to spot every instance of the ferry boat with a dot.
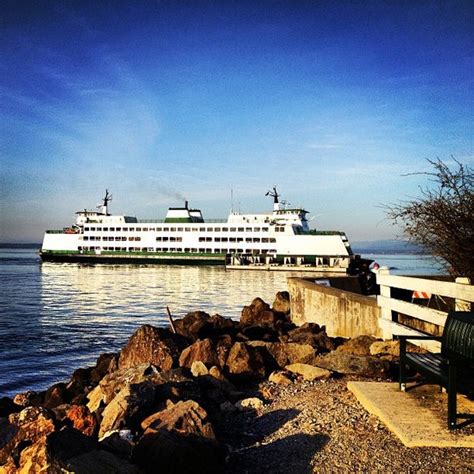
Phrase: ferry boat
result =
(280, 239)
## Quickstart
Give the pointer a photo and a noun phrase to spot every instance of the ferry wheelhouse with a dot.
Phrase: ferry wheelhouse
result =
(281, 238)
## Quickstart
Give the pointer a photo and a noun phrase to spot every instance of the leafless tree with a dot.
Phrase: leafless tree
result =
(442, 219)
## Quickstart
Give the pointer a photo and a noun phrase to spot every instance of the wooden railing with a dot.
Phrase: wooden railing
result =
(461, 291)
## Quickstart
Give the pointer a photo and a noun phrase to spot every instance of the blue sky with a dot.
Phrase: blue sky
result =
(332, 101)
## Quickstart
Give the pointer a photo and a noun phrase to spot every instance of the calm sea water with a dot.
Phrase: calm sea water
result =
(55, 317)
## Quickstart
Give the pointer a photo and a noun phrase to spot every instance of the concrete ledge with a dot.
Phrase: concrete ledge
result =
(413, 424)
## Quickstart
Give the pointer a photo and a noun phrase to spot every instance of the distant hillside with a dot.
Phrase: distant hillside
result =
(16, 245)
(387, 247)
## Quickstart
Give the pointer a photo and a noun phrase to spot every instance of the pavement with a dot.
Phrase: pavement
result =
(417, 417)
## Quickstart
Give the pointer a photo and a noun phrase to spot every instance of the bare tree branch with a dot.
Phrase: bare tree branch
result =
(442, 219)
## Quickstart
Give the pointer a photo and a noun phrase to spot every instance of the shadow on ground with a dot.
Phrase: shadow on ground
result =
(292, 455)
(249, 452)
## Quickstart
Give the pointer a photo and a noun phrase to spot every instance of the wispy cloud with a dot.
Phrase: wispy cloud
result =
(324, 146)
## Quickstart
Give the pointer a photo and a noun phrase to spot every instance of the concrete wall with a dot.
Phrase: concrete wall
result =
(344, 313)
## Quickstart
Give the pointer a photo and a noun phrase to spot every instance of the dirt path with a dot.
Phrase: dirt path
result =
(320, 427)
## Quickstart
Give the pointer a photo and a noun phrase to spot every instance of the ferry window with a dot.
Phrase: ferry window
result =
(186, 250)
(202, 229)
(112, 229)
(165, 239)
(233, 229)
(256, 240)
(194, 229)
(225, 239)
(86, 237)
(218, 229)
(265, 240)
(150, 249)
(131, 238)
(172, 239)
(138, 229)
(172, 229)
(166, 229)
(225, 229)
(240, 239)
(138, 238)
(118, 238)
(179, 239)
(202, 250)
(248, 239)
(145, 229)
(202, 239)
(217, 239)
(124, 238)
(232, 239)
(106, 229)
(86, 228)
(273, 240)
(118, 229)
(208, 239)
(99, 229)
(257, 229)
(241, 229)
(210, 229)
(159, 229)
(187, 229)
(194, 250)
(264, 229)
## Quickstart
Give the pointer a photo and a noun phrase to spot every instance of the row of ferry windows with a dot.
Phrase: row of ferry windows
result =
(177, 229)
(172, 249)
(180, 239)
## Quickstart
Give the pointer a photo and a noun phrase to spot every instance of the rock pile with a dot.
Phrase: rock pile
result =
(156, 402)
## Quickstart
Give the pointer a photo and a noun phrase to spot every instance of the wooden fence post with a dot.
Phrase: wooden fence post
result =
(461, 305)
(385, 313)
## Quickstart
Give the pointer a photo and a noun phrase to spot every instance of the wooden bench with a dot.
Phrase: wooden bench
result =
(452, 368)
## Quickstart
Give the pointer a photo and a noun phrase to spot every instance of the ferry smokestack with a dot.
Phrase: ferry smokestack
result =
(185, 204)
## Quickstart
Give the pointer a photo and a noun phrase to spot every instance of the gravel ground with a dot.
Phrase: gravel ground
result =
(320, 427)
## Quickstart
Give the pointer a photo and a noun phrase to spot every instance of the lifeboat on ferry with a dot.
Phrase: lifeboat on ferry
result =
(70, 230)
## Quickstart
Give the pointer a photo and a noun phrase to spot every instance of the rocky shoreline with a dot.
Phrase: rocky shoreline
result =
(212, 395)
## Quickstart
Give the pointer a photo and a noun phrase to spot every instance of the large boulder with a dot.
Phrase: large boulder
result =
(105, 364)
(359, 346)
(151, 345)
(282, 303)
(82, 419)
(199, 325)
(8, 406)
(56, 395)
(66, 450)
(179, 440)
(201, 351)
(280, 354)
(308, 372)
(345, 363)
(312, 334)
(258, 314)
(127, 407)
(192, 324)
(223, 346)
(113, 383)
(23, 429)
(245, 363)
(382, 348)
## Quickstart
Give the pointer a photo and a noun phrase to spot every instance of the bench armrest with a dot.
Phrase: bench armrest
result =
(427, 338)
(404, 338)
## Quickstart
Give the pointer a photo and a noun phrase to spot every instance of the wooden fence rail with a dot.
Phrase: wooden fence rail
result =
(461, 291)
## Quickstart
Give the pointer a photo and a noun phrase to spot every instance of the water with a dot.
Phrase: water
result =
(55, 317)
